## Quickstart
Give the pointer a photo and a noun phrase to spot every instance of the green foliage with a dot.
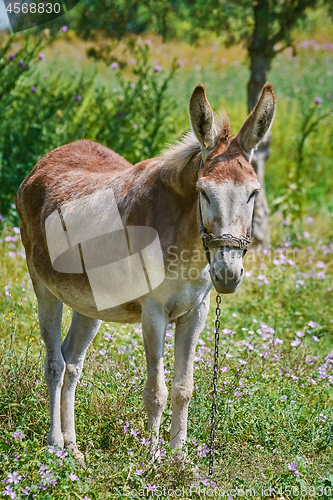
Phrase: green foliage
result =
(298, 171)
(45, 473)
(274, 394)
(41, 112)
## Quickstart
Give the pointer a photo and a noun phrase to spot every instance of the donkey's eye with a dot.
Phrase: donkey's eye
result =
(204, 194)
(253, 195)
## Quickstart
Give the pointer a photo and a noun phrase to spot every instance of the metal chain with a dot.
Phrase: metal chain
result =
(216, 370)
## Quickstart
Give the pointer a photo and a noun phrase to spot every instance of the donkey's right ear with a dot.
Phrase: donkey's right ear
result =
(202, 118)
(259, 121)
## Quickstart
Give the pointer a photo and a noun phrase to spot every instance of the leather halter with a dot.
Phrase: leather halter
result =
(209, 240)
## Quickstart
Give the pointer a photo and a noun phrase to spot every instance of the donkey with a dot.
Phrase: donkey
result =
(205, 183)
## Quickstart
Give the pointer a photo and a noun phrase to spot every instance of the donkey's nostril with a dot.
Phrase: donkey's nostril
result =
(242, 271)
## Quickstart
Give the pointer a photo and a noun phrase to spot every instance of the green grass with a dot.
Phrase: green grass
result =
(274, 400)
(274, 397)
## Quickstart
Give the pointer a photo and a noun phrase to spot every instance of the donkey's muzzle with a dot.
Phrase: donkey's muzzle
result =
(226, 270)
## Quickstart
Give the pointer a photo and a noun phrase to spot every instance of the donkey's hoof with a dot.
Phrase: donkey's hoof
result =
(155, 454)
(78, 455)
(180, 455)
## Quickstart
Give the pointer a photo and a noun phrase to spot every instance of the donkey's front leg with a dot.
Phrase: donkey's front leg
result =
(155, 394)
(188, 328)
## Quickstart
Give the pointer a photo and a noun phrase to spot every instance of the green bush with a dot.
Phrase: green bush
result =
(41, 112)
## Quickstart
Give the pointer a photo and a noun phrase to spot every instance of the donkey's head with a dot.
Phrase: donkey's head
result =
(227, 183)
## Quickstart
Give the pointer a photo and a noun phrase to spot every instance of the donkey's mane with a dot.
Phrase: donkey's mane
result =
(177, 155)
(174, 160)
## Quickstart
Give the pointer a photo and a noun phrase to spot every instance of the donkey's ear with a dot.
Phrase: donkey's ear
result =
(259, 121)
(202, 117)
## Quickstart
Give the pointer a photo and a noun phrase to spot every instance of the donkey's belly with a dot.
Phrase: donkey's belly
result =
(123, 303)
(75, 291)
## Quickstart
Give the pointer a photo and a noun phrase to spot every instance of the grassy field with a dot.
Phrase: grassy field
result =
(274, 425)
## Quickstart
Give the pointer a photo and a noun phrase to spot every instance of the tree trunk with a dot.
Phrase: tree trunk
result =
(260, 229)
(261, 54)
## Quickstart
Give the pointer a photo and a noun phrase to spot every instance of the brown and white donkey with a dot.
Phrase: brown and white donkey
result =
(205, 183)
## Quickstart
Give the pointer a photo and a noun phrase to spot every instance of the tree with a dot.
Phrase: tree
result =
(265, 26)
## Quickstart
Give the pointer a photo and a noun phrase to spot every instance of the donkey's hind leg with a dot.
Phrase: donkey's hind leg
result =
(50, 315)
(81, 333)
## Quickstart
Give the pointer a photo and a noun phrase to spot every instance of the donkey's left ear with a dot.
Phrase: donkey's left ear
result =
(259, 121)
(202, 118)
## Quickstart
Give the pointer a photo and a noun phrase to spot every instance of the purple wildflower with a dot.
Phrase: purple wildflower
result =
(64, 28)
(263, 278)
(180, 63)
(205, 482)
(315, 338)
(135, 126)
(61, 453)
(18, 435)
(321, 418)
(41, 56)
(158, 68)
(126, 427)
(148, 42)
(21, 63)
(312, 324)
(9, 492)
(114, 65)
(78, 98)
(151, 487)
(33, 89)
(318, 100)
(202, 451)
(13, 477)
(73, 477)
(12, 56)
(227, 331)
(26, 490)
(135, 433)
(121, 114)
(321, 264)
(293, 468)
(295, 342)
